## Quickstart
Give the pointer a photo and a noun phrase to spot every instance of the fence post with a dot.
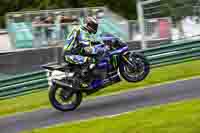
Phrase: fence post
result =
(141, 23)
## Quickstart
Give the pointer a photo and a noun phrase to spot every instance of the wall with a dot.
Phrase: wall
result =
(27, 60)
(22, 61)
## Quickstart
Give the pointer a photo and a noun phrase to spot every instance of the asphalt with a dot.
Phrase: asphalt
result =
(103, 106)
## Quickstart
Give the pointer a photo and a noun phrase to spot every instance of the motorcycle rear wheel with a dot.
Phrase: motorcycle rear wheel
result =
(68, 101)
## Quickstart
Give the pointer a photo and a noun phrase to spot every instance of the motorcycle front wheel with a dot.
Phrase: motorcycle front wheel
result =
(134, 68)
(63, 99)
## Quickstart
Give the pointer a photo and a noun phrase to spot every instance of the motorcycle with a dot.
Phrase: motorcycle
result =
(69, 82)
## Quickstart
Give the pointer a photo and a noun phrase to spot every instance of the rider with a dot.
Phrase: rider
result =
(79, 44)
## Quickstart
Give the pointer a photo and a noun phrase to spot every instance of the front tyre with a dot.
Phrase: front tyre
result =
(134, 68)
(64, 100)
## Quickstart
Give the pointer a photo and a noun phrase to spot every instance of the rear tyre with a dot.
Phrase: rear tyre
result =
(64, 99)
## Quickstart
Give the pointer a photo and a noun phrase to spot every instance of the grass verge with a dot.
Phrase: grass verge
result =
(157, 76)
(182, 117)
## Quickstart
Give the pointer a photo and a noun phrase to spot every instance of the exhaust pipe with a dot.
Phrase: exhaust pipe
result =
(63, 85)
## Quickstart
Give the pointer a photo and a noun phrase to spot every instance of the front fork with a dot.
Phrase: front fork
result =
(126, 60)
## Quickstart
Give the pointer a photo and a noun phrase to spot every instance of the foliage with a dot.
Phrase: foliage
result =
(124, 7)
(180, 9)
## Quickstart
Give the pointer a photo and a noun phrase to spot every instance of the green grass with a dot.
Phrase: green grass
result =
(182, 117)
(157, 75)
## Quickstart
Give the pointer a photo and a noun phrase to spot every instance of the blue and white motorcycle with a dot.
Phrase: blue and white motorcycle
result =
(68, 82)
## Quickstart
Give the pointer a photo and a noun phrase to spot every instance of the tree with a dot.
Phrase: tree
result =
(179, 10)
(126, 8)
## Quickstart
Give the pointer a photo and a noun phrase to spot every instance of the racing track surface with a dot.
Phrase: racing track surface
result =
(103, 106)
